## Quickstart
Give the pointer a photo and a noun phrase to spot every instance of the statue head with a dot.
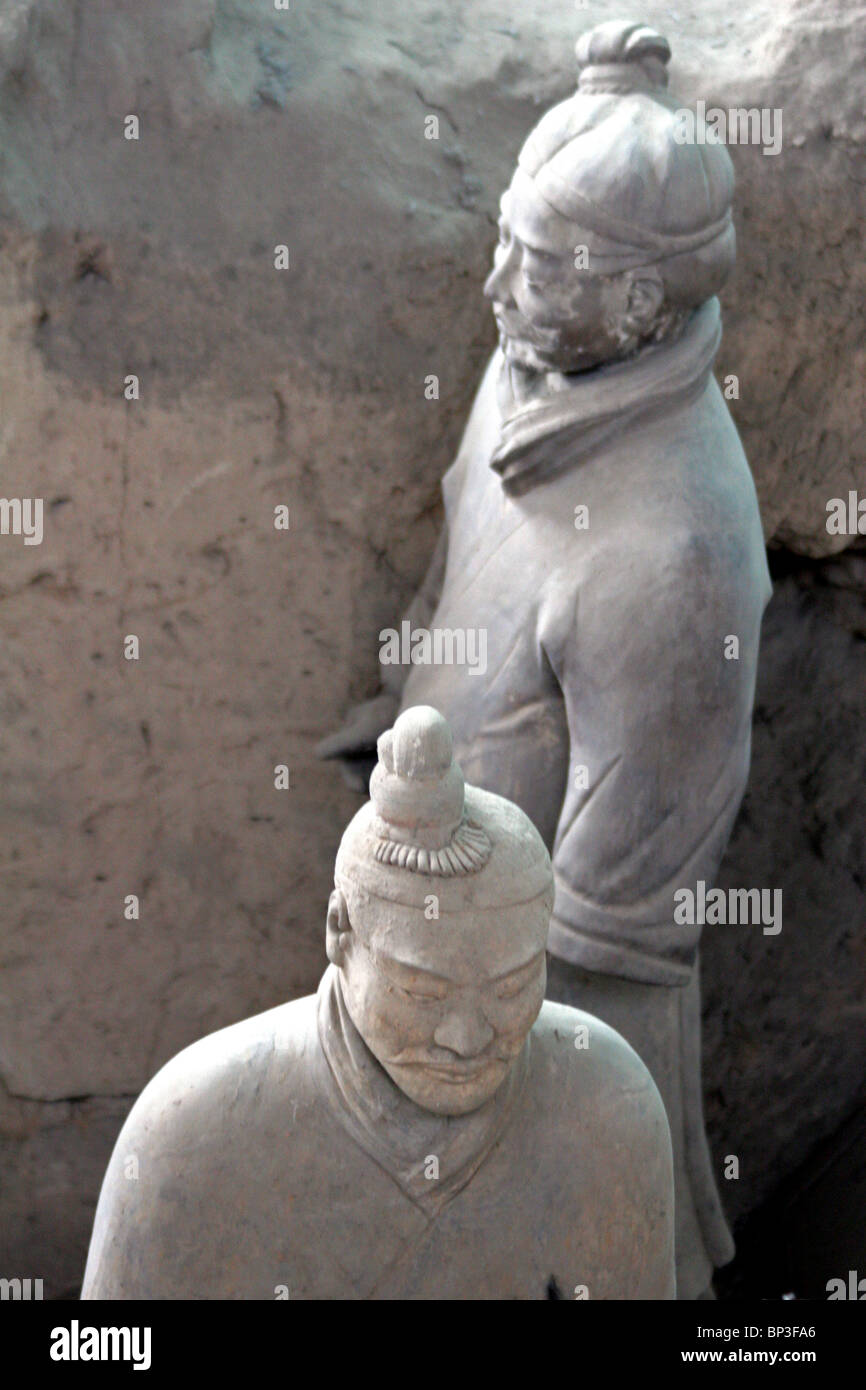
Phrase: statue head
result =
(438, 922)
(612, 230)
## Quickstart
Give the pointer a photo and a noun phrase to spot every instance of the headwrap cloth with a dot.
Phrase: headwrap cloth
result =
(612, 161)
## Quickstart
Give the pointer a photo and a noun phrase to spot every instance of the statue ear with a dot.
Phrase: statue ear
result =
(645, 295)
(338, 928)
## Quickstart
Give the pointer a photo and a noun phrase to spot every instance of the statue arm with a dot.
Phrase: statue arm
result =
(640, 1166)
(123, 1261)
(659, 725)
(611, 1124)
(420, 611)
(356, 740)
(151, 1197)
(367, 720)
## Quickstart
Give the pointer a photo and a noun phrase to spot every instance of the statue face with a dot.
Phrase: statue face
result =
(445, 1012)
(552, 315)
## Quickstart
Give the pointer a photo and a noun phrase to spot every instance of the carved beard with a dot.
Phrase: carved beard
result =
(520, 348)
(539, 350)
(521, 345)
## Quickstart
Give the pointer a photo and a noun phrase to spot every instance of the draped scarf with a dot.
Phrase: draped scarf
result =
(583, 410)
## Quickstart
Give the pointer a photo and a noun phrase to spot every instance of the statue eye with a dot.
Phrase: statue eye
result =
(422, 996)
(508, 989)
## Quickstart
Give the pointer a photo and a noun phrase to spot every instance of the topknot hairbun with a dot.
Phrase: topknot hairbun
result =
(417, 791)
(622, 56)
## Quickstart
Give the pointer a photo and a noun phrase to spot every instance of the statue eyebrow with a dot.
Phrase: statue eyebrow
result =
(538, 251)
(415, 969)
(516, 969)
(444, 980)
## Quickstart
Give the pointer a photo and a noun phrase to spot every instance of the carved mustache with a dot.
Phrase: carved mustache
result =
(514, 326)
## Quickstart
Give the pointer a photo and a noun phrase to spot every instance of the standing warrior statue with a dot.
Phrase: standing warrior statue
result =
(602, 531)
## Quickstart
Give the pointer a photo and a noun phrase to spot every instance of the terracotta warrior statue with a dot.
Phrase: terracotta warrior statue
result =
(603, 550)
(425, 1127)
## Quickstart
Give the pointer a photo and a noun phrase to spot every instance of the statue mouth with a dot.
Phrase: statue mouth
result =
(457, 1073)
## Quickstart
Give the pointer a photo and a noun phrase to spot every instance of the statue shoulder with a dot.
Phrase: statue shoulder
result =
(597, 1074)
(676, 549)
(184, 1141)
(222, 1075)
(605, 1125)
(233, 1058)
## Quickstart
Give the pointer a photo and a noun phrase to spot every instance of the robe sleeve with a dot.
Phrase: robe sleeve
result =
(423, 606)
(659, 722)
(139, 1213)
(421, 609)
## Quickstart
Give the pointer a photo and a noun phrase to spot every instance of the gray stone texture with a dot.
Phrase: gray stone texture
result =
(306, 387)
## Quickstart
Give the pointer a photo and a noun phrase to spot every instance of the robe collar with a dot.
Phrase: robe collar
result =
(391, 1129)
(551, 421)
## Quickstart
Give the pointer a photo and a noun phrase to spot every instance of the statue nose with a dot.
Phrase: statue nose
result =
(466, 1033)
(498, 283)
